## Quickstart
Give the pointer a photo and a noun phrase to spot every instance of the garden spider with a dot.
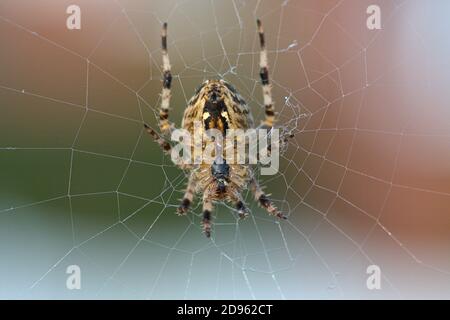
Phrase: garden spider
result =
(217, 105)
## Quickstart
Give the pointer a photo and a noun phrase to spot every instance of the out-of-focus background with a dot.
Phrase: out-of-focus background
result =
(366, 181)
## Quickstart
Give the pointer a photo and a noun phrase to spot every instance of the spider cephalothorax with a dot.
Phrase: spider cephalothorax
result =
(217, 105)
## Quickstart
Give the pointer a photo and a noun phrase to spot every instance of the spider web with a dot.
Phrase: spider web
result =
(362, 183)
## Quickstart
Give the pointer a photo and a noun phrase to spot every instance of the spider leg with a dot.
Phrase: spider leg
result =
(164, 124)
(165, 146)
(266, 86)
(188, 196)
(207, 212)
(264, 200)
(239, 203)
(242, 209)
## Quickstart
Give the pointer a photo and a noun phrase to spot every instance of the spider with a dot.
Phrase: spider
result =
(218, 105)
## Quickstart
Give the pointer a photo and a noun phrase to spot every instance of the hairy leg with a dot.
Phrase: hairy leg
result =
(264, 200)
(188, 197)
(164, 123)
(207, 213)
(239, 204)
(165, 146)
(266, 86)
